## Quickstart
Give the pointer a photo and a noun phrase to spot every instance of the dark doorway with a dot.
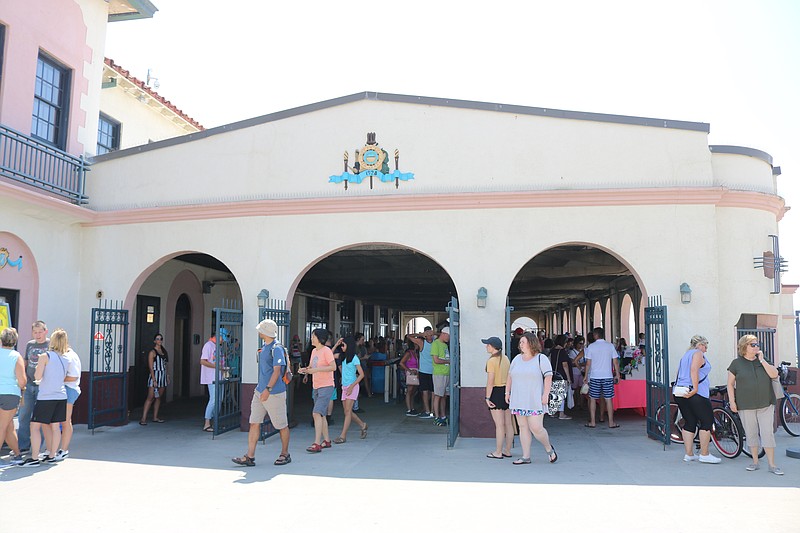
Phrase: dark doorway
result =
(182, 358)
(148, 313)
(11, 297)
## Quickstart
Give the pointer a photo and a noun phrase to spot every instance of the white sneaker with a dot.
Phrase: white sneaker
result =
(689, 458)
(61, 455)
(711, 459)
(44, 455)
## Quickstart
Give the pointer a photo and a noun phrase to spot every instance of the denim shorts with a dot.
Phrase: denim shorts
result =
(72, 395)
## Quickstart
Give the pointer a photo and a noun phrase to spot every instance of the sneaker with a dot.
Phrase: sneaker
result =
(710, 459)
(61, 455)
(48, 460)
(44, 455)
(425, 415)
(412, 412)
(29, 462)
(775, 470)
(16, 459)
(689, 458)
(752, 467)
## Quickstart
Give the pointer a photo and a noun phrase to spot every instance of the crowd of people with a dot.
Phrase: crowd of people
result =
(42, 386)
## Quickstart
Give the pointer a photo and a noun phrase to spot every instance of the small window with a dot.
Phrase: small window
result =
(107, 135)
(51, 96)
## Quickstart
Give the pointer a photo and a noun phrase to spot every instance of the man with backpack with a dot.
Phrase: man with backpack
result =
(269, 397)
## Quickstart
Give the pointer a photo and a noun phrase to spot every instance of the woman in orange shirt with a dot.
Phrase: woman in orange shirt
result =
(321, 367)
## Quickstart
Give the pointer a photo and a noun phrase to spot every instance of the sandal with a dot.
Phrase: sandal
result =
(314, 448)
(208, 428)
(283, 459)
(364, 431)
(142, 423)
(325, 444)
(158, 421)
(493, 456)
(244, 460)
(552, 454)
(339, 440)
(522, 461)
(506, 455)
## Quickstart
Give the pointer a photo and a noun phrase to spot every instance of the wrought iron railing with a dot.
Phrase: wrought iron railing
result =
(39, 165)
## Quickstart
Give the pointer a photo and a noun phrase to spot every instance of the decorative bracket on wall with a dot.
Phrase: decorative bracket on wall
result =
(773, 264)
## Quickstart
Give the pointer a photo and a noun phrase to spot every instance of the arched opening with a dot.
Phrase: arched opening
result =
(382, 290)
(583, 278)
(524, 322)
(627, 320)
(175, 297)
(19, 284)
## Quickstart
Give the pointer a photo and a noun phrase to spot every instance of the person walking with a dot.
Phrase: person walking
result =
(496, 378)
(269, 396)
(12, 384)
(410, 365)
(208, 371)
(695, 405)
(751, 395)
(352, 375)
(158, 380)
(527, 391)
(321, 368)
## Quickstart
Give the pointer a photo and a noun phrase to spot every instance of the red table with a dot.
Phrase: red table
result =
(630, 394)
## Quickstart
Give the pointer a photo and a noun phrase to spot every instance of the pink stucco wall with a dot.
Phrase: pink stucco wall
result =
(56, 27)
(24, 280)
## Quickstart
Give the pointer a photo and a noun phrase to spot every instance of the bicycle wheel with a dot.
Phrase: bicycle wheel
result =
(790, 414)
(674, 431)
(727, 434)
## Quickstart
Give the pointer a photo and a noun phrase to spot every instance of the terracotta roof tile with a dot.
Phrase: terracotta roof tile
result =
(142, 85)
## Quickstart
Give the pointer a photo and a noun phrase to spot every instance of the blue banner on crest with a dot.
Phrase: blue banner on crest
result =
(358, 178)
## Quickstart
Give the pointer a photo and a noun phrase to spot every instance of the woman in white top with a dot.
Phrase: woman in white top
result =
(527, 391)
(73, 389)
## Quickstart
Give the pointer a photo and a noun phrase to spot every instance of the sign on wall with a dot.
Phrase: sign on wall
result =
(371, 161)
(5, 316)
(5, 259)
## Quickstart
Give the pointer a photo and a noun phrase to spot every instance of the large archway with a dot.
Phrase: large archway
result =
(175, 296)
(378, 289)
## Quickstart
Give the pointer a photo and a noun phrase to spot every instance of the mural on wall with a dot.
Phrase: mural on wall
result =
(371, 161)
(5, 259)
(5, 316)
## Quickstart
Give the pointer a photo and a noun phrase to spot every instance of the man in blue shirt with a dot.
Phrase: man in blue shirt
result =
(269, 397)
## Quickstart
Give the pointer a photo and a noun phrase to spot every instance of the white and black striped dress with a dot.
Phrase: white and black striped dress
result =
(159, 370)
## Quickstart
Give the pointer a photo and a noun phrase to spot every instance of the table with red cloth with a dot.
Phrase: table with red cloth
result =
(630, 394)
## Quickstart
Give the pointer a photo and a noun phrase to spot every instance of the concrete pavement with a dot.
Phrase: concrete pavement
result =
(175, 477)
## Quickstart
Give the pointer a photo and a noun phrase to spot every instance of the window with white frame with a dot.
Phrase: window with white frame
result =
(50, 102)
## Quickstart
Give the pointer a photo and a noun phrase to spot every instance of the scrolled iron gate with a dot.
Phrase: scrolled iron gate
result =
(108, 366)
(455, 373)
(276, 310)
(227, 368)
(657, 369)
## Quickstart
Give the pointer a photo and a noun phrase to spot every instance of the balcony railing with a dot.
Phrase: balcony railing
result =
(39, 165)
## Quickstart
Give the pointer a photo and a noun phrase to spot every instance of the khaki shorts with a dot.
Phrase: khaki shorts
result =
(441, 385)
(758, 421)
(275, 407)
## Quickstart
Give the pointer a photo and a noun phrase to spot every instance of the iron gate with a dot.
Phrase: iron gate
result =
(227, 368)
(108, 365)
(455, 373)
(766, 338)
(508, 329)
(657, 369)
(276, 310)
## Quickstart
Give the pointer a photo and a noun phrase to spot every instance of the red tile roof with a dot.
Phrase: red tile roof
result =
(142, 85)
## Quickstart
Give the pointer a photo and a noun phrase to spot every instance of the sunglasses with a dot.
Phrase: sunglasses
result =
(754, 345)
(159, 339)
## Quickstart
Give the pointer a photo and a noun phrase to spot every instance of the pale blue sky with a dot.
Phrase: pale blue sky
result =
(734, 64)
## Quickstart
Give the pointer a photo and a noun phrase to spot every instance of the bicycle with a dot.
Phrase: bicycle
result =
(789, 405)
(727, 432)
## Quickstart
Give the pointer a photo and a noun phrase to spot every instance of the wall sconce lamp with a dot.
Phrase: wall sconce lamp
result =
(686, 293)
(263, 296)
(482, 294)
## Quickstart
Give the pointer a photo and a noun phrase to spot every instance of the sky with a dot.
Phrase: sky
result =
(733, 64)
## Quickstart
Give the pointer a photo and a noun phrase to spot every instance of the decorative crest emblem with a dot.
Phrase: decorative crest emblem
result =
(371, 161)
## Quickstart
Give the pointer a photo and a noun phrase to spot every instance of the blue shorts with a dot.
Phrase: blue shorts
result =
(72, 395)
(601, 388)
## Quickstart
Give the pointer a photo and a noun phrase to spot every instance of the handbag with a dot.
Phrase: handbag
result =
(777, 388)
(681, 391)
(558, 392)
(411, 378)
(585, 388)
(570, 398)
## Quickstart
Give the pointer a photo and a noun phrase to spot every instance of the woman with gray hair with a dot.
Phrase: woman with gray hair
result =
(12, 383)
(692, 396)
(750, 394)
